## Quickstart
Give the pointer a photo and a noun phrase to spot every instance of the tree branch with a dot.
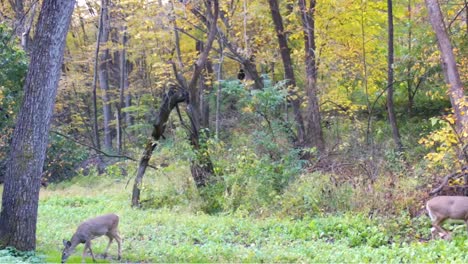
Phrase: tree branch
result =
(96, 149)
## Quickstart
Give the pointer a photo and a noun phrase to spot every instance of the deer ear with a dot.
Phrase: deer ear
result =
(66, 243)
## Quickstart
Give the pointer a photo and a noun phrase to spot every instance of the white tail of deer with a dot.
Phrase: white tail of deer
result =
(441, 208)
(91, 229)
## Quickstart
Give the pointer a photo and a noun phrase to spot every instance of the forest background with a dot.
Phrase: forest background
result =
(324, 122)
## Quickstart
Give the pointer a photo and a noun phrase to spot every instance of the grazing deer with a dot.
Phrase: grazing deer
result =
(441, 208)
(91, 229)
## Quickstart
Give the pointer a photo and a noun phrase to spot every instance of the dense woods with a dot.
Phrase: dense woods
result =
(321, 113)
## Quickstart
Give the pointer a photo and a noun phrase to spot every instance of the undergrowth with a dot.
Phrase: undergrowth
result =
(183, 233)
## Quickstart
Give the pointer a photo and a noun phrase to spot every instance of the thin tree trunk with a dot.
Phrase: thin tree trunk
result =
(409, 81)
(452, 76)
(19, 23)
(122, 82)
(18, 216)
(219, 76)
(96, 143)
(288, 68)
(25, 36)
(103, 74)
(364, 69)
(390, 108)
(314, 131)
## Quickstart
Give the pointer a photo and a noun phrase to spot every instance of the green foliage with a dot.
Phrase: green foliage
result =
(166, 235)
(313, 195)
(11, 255)
(62, 157)
(13, 67)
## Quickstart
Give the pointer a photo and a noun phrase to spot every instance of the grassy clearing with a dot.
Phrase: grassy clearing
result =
(180, 234)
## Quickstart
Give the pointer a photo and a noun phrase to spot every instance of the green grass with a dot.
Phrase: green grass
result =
(183, 234)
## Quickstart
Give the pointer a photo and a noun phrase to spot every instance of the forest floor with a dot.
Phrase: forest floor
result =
(181, 235)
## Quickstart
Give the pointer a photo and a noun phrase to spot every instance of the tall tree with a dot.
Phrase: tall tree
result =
(103, 73)
(390, 108)
(288, 67)
(314, 131)
(449, 65)
(18, 216)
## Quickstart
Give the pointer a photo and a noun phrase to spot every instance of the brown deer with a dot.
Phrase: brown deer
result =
(441, 208)
(91, 229)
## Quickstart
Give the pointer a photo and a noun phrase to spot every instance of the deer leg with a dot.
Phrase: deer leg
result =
(436, 224)
(119, 241)
(83, 256)
(88, 245)
(108, 245)
(466, 223)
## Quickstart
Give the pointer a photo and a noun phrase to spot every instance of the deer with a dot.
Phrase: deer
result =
(91, 229)
(441, 208)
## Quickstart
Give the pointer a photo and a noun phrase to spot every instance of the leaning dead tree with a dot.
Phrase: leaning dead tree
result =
(458, 176)
(188, 92)
(171, 99)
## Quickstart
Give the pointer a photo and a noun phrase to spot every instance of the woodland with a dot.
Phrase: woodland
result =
(233, 130)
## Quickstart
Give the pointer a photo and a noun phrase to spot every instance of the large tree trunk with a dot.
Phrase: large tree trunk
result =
(288, 68)
(390, 108)
(452, 77)
(28, 148)
(314, 136)
(170, 100)
(201, 168)
(104, 75)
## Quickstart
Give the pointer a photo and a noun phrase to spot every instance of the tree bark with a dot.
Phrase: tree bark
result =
(288, 68)
(390, 108)
(18, 216)
(452, 76)
(104, 75)
(314, 136)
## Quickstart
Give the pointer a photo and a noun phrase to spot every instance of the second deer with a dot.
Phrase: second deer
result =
(91, 229)
(441, 208)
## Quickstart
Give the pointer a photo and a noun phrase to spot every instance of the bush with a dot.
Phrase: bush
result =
(314, 194)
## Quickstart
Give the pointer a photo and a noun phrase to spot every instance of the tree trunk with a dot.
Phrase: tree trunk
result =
(170, 100)
(288, 68)
(202, 167)
(219, 76)
(122, 83)
(19, 23)
(409, 81)
(104, 75)
(96, 142)
(452, 77)
(390, 108)
(26, 41)
(28, 148)
(314, 136)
